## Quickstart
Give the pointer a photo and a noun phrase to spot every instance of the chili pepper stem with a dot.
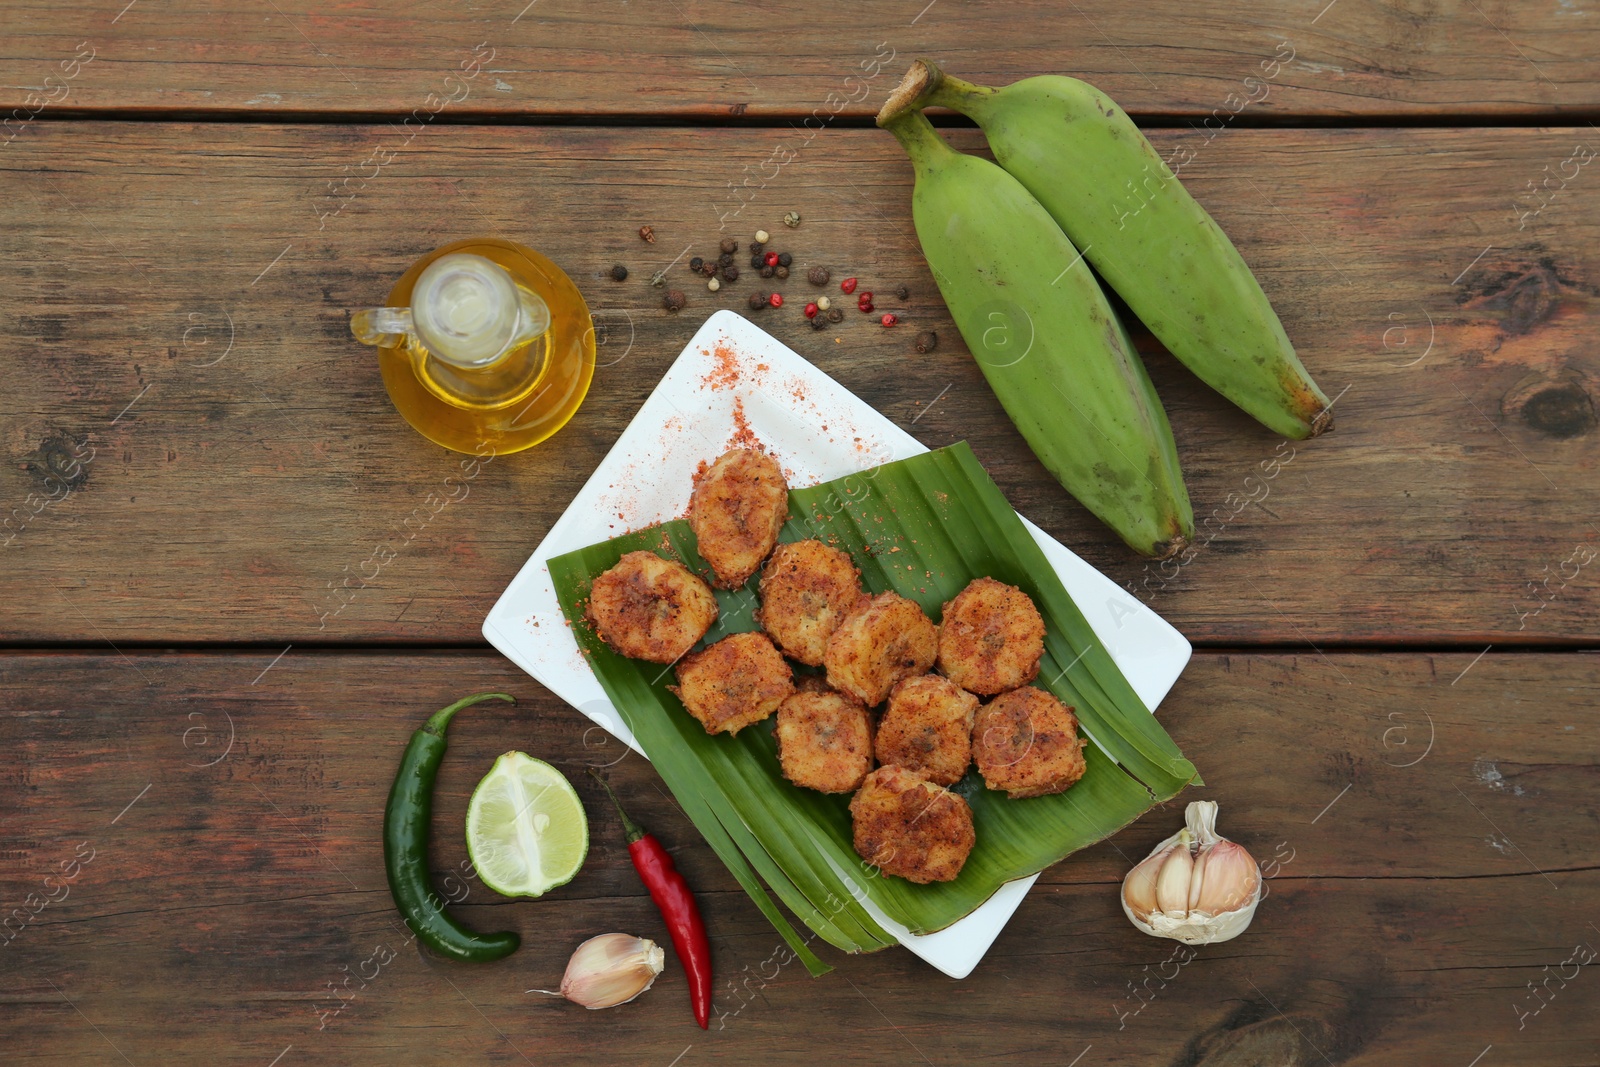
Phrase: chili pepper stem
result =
(633, 829)
(440, 719)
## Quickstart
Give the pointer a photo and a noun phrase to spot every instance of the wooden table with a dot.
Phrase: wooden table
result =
(1393, 690)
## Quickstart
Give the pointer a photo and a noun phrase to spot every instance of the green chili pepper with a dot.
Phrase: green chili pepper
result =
(405, 846)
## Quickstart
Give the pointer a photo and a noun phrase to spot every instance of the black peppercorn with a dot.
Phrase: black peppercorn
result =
(781, 271)
(619, 273)
(818, 276)
(767, 272)
(709, 268)
(730, 274)
(725, 260)
(757, 261)
(729, 245)
(784, 259)
(757, 247)
(674, 301)
(696, 263)
(819, 322)
(902, 292)
(757, 301)
(835, 315)
(927, 341)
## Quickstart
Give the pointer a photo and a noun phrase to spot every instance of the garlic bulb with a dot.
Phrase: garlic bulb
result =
(611, 969)
(1195, 886)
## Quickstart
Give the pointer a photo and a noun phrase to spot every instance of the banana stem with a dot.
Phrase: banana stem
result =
(925, 85)
(918, 137)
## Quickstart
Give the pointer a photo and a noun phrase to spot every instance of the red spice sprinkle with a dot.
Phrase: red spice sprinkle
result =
(743, 435)
(889, 319)
(848, 285)
(770, 259)
(726, 372)
(811, 311)
(776, 300)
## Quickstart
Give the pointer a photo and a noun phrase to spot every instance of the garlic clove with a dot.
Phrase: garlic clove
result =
(1232, 880)
(1139, 888)
(1197, 878)
(611, 969)
(1172, 884)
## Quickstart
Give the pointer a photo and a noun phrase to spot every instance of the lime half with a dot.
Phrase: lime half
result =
(526, 831)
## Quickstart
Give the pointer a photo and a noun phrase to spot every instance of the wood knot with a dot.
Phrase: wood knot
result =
(59, 460)
(1558, 406)
(1521, 294)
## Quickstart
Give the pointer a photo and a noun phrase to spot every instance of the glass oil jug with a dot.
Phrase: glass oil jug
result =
(485, 344)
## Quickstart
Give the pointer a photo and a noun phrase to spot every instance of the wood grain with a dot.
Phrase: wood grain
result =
(1421, 879)
(225, 491)
(718, 61)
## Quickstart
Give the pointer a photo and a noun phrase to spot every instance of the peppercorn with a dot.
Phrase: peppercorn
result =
(824, 303)
(730, 274)
(835, 315)
(865, 297)
(758, 301)
(781, 272)
(866, 309)
(889, 319)
(648, 234)
(674, 301)
(767, 272)
(729, 246)
(762, 237)
(776, 300)
(659, 278)
(696, 263)
(770, 259)
(848, 285)
(903, 293)
(820, 322)
(619, 273)
(785, 259)
(708, 268)
(713, 285)
(818, 276)
(756, 261)
(792, 219)
(927, 341)
(725, 260)
(811, 311)
(757, 247)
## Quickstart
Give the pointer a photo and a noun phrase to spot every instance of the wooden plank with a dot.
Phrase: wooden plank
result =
(1428, 822)
(230, 490)
(1345, 58)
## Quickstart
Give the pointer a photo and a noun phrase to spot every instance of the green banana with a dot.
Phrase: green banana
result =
(1088, 164)
(1048, 342)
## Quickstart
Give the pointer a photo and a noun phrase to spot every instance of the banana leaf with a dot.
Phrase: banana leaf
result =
(923, 527)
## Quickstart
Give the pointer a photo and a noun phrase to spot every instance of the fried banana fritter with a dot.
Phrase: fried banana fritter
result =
(927, 727)
(651, 608)
(991, 638)
(884, 640)
(807, 589)
(907, 826)
(737, 681)
(824, 741)
(738, 506)
(1026, 743)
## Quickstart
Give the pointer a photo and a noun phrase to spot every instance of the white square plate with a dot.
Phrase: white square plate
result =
(732, 382)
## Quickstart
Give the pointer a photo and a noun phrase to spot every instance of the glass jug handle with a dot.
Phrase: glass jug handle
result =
(384, 327)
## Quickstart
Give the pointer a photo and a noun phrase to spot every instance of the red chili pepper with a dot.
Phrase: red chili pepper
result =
(676, 903)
